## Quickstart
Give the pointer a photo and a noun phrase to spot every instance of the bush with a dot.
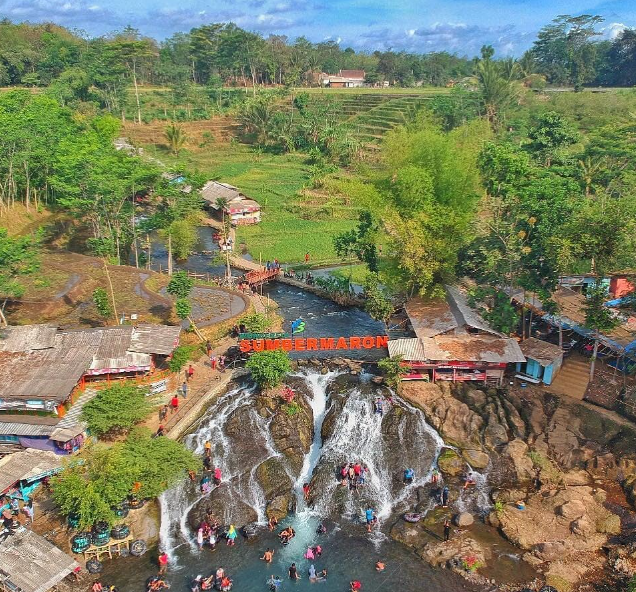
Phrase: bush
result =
(105, 476)
(256, 322)
(268, 368)
(393, 370)
(292, 408)
(180, 357)
(116, 409)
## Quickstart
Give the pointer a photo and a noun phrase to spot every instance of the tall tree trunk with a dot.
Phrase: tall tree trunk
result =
(134, 72)
(169, 254)
(112, 292)
(594, 352)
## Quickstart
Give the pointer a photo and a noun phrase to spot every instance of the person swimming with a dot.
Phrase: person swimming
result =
(312, 573)
(268, 555)
(379, 565)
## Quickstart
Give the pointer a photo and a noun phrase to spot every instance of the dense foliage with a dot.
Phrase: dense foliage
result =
(104, 476)
(268, 368)
(116, 409)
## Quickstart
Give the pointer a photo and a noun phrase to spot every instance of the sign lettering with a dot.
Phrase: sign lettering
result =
(314, 344)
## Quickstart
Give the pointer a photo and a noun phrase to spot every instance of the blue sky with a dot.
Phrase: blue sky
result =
(459, 26)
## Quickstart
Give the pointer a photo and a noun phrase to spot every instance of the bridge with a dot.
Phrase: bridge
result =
(257, 277)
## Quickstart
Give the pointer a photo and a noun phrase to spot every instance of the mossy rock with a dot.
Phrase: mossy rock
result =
(450, 463)
(560, 583)
(611, 524)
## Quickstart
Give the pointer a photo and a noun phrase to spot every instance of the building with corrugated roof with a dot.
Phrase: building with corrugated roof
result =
(222, 197)
(453, 342)
(41, 365)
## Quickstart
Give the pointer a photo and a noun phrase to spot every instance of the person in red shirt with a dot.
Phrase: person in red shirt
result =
(174, 403)
(163, 562)
(190, 372)
(356, 585)
(306, 258)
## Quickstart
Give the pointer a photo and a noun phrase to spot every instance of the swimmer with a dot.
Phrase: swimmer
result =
(379, 565)
(268, 556)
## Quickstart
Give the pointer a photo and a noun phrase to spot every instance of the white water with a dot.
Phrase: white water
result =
(357, 437)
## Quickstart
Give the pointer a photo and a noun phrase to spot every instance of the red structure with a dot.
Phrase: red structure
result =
(257, 278)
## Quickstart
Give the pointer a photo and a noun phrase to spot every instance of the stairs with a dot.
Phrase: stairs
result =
(572, 379)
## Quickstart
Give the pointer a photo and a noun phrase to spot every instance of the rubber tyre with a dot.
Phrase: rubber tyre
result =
(93, 566)
(138, 548)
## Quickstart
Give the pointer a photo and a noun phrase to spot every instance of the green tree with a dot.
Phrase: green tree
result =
(377, 302)
(116, 409)
(102, 303)
(183, 308)
(18, 257)
(176, 137)
(256, 322)
(268, 368)
(393, 370)
(550, 136)
(498, 88)
(598, 318)
(180, 285)
(183, 236)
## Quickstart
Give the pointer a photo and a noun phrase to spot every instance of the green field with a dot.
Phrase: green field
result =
(289, 228)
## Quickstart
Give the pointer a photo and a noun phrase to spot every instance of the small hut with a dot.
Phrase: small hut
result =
(543, 361)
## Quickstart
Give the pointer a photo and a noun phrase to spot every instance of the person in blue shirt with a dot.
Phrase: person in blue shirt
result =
(369, 514)
(409, 475)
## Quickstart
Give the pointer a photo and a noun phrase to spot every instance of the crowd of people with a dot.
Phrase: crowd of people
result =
(354, 475)
(217, 580)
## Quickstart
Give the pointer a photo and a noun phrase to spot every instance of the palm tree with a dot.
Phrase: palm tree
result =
(498, 90)
(590, 168)
(255, 118)
(176, 137)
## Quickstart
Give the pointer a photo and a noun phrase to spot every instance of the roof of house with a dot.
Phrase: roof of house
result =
(51, 374)
(27, 338)
(357, 74)
(460, 348)
(8, 428)
(32, 563)
(542, 351)
(27, 464)
(445, 315)
(214, 190)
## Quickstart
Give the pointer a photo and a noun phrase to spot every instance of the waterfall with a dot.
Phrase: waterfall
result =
(177, 502)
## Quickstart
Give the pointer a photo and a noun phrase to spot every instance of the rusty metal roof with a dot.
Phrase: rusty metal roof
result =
(24, 338)
(32, 564)
(542, 351)
(464, 314)
(408, 349)
(28, 464)
(155, 339)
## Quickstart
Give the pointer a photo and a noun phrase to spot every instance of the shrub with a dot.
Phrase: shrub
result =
(256, 322)
(180, 357)
(292, 408)
(269, 367)
(116, 409)
(393, 370)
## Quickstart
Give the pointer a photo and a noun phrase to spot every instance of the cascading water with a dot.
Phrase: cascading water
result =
(177, 502)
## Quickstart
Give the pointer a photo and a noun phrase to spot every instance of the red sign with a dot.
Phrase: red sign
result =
(314, 343)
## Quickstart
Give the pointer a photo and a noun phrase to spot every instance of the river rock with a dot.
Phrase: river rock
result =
(453, 419)
(454, 553)
(225, 506)
(464, 519)
(329, 422)
(450, 463)
(496, 432)
(572, 509)
(277, 487)
(476, 458)
(292, 434)
(517, 453)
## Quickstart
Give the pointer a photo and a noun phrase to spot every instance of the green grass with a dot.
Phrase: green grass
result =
(288, 228)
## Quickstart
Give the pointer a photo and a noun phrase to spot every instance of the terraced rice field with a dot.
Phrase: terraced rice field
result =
(371, 116)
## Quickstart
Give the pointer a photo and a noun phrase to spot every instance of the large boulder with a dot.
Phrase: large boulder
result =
(450, 463)
(572, 509)
(277, 487)
(225, 506)
(517, 454)
(452, 418)
(292, 433)
(461, 553)
(476, 458)
(463, 519)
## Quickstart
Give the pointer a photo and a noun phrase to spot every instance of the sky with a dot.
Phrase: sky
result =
(457, 26)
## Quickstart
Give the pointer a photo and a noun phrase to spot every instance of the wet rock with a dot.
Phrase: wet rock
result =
(577, 477)
(377, 380)
(225, 505)
(277, 487)
(496, 432)
(455, 554)
(463, 519)
(508, 496)
(493, 519)
(474, 397)
(329, 423)
(292, 433)
(450, 463)
(515, 423)
(455, 421)
(250, 531)
(476, 458)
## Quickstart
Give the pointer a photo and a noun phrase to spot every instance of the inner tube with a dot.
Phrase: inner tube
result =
(138, 548)
(412, 517)
(93, 566)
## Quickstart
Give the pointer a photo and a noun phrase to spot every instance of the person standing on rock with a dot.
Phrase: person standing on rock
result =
(200, 538)
(217, 476)
(447, 529)
(163, 563)
(445, 494)
(306, 491)
(208, 448)
(369, 515)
